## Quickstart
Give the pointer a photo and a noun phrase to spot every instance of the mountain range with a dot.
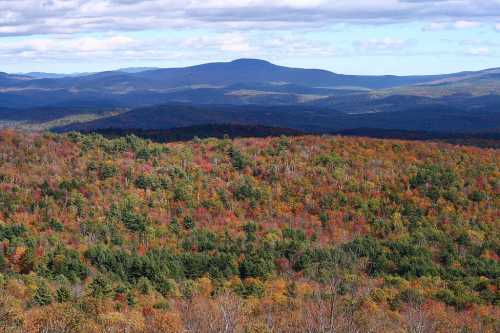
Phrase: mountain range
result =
(256, 92)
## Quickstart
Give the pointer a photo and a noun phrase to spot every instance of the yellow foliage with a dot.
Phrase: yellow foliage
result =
(475, 236)
(233, 282)
(58, 318)
(16, 288)
(205, 286)
(276, 290)
(168, 322)
(304, 289)
(132, 321)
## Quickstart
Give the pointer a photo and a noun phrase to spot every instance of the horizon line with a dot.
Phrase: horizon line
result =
(153, 68)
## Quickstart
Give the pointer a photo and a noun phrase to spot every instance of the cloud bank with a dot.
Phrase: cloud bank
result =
(29, 17)
(68, 35)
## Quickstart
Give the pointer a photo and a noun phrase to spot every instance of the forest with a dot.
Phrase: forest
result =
(316, 234)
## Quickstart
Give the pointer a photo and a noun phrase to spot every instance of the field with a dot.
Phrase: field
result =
(303, 234)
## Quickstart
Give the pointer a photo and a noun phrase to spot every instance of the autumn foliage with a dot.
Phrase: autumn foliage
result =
(306, 234)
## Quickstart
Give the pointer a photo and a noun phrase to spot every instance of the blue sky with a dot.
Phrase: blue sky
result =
(345, 36)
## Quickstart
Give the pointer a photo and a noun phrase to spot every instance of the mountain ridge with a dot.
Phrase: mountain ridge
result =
(248, 61)
(247, 70)
(307, 99)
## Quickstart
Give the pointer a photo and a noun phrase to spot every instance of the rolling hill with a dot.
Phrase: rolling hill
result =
(273, 234)
(258, 75)
(438, 118)
(256, 92)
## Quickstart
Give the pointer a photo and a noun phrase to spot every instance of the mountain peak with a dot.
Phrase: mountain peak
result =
(249, 61)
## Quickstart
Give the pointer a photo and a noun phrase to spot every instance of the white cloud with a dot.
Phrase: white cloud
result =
(61, 48)
(298, 47)
(466, 24)
(434, 26)
(228, 42)
(124, 49)
(25, 17)
(497, 27)
(461, 24)
(478, 51)
(234, 42)
(382, 44)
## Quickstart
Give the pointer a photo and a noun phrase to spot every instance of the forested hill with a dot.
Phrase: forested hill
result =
(318, 234)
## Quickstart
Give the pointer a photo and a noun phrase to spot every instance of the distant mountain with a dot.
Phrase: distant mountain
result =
(42, 75)
(136, 69)
(222, 92)
(217, 75)
(45, 114)
(7, 80)
(491, 73)
(480, 83)
(437, 118)
(240, 82)
(260, 71)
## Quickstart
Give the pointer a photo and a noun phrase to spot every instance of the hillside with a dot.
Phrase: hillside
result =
(201, 132)
(222, 74)
(243, 81)
(232, 131)
(319, 234)
(251, 92)
(400, 114)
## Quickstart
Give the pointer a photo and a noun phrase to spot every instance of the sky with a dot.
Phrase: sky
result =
(400, 37)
